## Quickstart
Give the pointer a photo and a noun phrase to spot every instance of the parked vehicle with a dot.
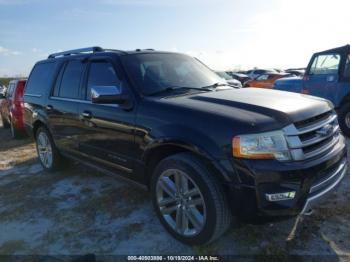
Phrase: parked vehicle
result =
(327, 76)
(296, 72)
(265, 80)
(240, 77)
(258, 72)
(11, 108)
(204, 149)
(3, 90)
(229, 79)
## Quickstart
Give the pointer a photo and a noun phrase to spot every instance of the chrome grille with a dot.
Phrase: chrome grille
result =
(312, 137)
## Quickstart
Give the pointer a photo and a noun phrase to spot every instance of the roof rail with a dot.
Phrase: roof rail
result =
(147, 49)
(93, 49)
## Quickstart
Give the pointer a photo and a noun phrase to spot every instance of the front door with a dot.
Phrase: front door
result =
(322, 77)
(108, 129)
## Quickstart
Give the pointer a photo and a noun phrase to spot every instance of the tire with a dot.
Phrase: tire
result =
(5, 124)
(14, 132)
(211, 213)
(48, 154)
(344, 119)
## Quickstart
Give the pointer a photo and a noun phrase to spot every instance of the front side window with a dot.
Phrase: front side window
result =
(156, 72)
(71, 78)
(101, 74)
(325, 64)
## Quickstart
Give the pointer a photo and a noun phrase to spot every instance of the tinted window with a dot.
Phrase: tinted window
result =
(40, 78)
(101, 74)
(58, 81)
(71, 78)
(325, 64)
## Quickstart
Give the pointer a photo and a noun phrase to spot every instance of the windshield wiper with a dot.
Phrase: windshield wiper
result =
(215, 85)
(174, 88)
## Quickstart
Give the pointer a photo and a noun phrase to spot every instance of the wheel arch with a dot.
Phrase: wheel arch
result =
(161, 150)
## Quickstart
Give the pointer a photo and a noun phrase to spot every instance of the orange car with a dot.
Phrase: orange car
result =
(265, 80)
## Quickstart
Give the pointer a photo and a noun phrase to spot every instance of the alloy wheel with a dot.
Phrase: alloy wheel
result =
(44, 149)
(181, 202)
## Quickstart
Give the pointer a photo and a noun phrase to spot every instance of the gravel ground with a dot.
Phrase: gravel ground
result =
(80, 211)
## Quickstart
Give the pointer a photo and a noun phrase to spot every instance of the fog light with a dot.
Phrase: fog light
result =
(280, 196)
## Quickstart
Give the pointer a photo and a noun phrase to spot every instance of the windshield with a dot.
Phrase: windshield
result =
(153, 73)
(224, 75)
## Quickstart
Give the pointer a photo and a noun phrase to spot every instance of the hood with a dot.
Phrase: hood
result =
(255, 106)
(291, 84)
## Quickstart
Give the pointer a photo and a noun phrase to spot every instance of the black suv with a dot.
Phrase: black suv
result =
(204, 149)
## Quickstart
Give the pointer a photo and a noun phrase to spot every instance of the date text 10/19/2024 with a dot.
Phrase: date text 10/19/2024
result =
(173, 258)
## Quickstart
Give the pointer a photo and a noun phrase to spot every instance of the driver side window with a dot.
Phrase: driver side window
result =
(325, 64)
(101, 74)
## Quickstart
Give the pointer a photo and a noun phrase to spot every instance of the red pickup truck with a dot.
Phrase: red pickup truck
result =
(11, 108)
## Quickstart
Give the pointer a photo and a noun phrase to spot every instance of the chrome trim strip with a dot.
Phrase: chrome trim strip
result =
(69, 99)
(322, 149)
(319, 138)
(79, 101)
(33, 95)
(291, 130)
(315, 197)
(335, 173)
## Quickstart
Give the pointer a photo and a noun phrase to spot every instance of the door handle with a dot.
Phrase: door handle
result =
(86, 114)
(49, 107)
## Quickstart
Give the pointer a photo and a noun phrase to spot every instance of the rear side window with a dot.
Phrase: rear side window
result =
(101, 74)
(40, 79)
(71, 78)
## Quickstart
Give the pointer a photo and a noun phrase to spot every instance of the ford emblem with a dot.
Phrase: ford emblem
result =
(325, 130)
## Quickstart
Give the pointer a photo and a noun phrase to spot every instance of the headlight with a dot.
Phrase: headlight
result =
(269, 145)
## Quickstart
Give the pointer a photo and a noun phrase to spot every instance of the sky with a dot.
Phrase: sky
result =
(224, 34)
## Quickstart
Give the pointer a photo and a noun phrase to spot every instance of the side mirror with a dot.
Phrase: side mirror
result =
(108, 95)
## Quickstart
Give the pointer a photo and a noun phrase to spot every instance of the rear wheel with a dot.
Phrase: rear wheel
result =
(48, 154)
(188, 200)
(344, 119)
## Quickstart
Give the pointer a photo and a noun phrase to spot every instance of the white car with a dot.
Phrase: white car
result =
(257, 72)
(229, 79)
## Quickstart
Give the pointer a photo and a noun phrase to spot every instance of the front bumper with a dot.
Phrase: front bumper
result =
(310, 181)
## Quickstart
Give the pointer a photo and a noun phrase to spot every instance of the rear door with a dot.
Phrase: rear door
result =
(322, 77)
(62, 105)
(108, 129)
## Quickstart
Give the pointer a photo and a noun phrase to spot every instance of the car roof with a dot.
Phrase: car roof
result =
(341, 49)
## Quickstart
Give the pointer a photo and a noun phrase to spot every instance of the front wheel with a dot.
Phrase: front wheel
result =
(344, 119)
(48, 154)
(189, 201)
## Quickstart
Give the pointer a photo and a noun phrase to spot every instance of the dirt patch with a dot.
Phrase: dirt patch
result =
(79, 211)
